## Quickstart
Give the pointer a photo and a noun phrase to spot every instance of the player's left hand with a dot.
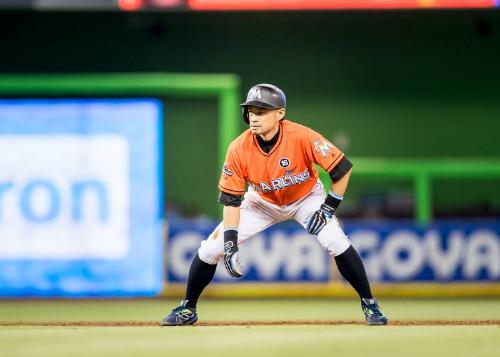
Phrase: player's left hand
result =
(231, 256)
(319, 219)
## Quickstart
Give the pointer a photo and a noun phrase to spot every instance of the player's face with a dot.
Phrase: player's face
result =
(265, 122)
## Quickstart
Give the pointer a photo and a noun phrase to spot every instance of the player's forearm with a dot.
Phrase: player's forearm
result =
(327, 210)
(340, 186)
(231, 221)
(231, 217)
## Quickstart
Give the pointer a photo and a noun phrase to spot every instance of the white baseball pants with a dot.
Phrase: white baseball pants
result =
(257, 214)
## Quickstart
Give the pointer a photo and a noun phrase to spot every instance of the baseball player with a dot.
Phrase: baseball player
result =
(276, 158)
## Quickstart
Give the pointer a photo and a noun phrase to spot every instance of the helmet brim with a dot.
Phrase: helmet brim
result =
(255, 103)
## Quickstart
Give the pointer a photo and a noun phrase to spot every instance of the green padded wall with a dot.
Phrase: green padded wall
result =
(380, 84)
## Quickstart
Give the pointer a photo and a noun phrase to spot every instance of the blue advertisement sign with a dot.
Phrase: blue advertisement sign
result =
(392, 252)
(80, 210)
(281, 253)
(450, 251)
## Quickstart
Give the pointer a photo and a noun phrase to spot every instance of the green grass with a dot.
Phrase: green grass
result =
(255, 341)
(240, 310)
(251, 341)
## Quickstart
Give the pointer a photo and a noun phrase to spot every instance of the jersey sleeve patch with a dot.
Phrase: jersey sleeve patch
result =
(322, 151)
(226, 170)
(231, 179)
(322, 147)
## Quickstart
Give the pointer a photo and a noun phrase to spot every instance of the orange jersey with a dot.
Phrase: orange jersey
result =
(286, 173)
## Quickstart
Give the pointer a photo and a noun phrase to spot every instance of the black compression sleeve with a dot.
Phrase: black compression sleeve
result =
(352, 269)
(340, 169)
(228, 199)
(200, 275)
(332, 201)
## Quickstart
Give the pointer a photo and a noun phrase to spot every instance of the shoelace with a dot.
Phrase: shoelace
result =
(184, 314)
(373, 309)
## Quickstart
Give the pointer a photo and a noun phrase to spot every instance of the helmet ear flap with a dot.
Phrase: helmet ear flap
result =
(245, 115)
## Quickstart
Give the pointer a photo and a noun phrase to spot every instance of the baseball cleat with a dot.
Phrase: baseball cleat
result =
(373, 314)
(181, 316)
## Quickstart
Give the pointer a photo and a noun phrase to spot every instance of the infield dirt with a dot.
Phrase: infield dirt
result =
(253, 323)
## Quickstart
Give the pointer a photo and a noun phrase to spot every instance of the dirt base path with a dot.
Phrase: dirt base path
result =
(250, 323)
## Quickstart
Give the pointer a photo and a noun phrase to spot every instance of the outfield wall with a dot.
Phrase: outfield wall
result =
(81, 215)
(402, 259)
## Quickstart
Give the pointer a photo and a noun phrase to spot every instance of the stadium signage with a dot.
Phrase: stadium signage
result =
(446, 252)
(75, 217)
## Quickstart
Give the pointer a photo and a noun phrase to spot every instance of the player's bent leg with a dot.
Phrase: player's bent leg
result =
(200, 275)
(333, 239)
(254, 217)
(352, 269)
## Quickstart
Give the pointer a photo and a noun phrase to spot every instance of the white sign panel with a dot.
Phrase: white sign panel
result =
(64, 196)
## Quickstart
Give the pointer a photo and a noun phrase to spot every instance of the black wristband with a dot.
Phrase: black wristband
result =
(231, 235)
(332, 201)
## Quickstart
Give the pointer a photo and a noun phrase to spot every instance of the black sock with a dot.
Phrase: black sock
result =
(352, 269)
(200, 275)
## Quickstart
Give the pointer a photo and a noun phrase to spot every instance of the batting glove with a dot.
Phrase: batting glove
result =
(231, 255)
(321, 217)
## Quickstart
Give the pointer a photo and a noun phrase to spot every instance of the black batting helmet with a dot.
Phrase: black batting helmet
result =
(263, 96)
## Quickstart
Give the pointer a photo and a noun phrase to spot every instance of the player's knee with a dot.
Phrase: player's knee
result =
(334, 241)
(208, 256)
(212, 249)
(339, 247)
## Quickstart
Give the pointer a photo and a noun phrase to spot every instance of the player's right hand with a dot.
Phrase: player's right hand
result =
(231, 255)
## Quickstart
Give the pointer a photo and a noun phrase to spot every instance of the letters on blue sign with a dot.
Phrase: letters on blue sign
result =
(4, 186)
(26, 201)
(78, 190)
(81, 191)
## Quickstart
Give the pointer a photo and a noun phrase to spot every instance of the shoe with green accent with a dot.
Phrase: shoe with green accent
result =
(181, 316)
(373, 314)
